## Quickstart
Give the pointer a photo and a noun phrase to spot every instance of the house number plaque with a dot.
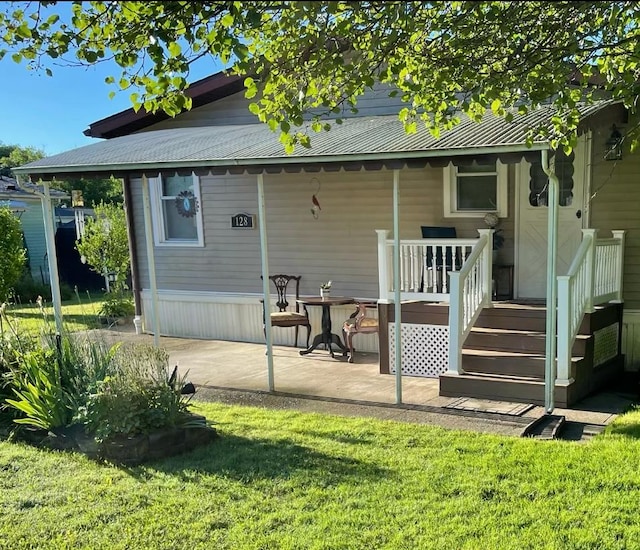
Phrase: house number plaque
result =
(242, 220)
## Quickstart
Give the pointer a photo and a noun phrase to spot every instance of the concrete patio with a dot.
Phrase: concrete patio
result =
(236, 372)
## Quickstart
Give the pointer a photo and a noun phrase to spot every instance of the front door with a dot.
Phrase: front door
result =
(531, 252)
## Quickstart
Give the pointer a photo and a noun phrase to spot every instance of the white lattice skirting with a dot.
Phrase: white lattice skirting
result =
(425, 349)
(605, 344)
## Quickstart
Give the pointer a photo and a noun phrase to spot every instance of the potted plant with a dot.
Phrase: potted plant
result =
(325, 290)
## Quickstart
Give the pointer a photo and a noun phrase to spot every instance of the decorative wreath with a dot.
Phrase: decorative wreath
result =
(186, 204)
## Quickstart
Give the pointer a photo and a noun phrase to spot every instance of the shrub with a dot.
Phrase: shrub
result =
(139, 397)
(12, 252)
(117, 306)
(27, 290)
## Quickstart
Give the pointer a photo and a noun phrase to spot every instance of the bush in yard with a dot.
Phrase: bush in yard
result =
(117, 306)
(138, 397)
(105, 244)
(72, 391)
(13, 255)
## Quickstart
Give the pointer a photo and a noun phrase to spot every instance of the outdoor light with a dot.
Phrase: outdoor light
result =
(613, 149)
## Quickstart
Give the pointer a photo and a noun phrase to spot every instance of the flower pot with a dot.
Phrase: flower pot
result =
(325, 293)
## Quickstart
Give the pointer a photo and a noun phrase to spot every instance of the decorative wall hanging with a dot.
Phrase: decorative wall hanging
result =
(186, 204)
(315, 206)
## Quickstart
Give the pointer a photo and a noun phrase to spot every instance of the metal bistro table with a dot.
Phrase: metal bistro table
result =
(326, 336)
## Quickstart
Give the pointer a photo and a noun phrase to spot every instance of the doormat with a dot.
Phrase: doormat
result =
(484, 405)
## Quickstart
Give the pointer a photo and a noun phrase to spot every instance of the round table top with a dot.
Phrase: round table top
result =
(326, 301)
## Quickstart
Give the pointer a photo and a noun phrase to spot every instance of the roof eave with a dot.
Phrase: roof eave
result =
(271, 161)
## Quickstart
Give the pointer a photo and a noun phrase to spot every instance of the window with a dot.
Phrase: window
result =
(539, 181)
(177, 210)
(474, 190)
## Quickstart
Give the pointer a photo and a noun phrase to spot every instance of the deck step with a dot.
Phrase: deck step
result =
(499, 388)
(507, 363)
(526, 341)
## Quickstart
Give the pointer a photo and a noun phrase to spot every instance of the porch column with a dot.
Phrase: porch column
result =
(264, 256)
(591, 234)
(383, 266)
(396, 285)
(619, 234)
(52, 259)
(487, 267)
(151, 259)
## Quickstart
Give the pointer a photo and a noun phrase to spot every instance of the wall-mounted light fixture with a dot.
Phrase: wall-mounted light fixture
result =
(614, 145)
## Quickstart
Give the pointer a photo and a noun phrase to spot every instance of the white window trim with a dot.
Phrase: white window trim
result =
(450, 178)
(159, 237)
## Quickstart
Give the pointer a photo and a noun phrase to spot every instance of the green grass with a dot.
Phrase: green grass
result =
(283, 479)
(78, 314)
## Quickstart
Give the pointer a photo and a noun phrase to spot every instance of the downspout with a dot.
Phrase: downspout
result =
(550, 366)
(52, 259)
(133, 253)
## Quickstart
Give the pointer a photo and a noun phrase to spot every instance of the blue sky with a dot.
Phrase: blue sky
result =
(51, 113)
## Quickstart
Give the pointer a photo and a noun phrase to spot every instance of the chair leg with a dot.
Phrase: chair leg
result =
(308, 335)
(350, 346)
(297, 327)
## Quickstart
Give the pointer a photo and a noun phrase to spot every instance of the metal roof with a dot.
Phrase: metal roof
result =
(356, 139)
(10, 188)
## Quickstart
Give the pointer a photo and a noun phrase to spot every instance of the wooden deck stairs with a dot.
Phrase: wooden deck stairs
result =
(504, 356)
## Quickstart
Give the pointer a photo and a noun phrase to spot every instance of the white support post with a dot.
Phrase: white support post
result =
(383, 266)
(591, 234)
(487, 268)
(50, 238)
(456, 314)
(619, 235)
(396, 285)
(564, 324)
(264, 255)
(151, 259)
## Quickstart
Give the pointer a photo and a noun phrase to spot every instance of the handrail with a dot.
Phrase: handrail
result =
(594, 277)
(470, 292)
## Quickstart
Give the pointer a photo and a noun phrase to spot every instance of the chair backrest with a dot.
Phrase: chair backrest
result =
(436, 232)
(283, 289)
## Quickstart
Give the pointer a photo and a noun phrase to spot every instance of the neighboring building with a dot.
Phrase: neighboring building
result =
(202, 167)
(28, 207)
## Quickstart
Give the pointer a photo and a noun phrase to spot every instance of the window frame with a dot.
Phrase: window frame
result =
(450, 180)
(157, 214)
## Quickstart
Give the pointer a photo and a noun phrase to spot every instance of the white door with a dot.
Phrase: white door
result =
(531, 251)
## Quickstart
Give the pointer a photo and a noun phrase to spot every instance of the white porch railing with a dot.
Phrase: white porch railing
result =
(595, 277)
(425, 266)
(457, 271)
(470, 291)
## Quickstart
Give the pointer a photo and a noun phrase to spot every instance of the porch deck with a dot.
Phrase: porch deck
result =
(341, 386)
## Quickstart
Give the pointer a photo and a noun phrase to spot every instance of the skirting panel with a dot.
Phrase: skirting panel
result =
(631, 339)
(425, 349)
(605, 344)
(236, 317)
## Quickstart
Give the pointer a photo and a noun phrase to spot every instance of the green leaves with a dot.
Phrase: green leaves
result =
(319, 58)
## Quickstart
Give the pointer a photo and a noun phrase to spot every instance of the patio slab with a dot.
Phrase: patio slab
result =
(236, 372)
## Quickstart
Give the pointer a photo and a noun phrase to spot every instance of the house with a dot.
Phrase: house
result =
(200, 272)
(27, 205)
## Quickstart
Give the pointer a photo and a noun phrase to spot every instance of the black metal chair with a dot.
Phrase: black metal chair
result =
(288, 315)
(441, 259)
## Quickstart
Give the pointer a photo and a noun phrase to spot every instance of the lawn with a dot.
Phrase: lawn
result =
(283, 479)
(80, 313)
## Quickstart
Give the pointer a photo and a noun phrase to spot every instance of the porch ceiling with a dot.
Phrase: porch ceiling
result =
(367, 141)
